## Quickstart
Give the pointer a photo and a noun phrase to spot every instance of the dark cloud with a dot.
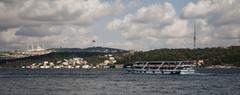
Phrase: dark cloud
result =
(37, 31)
(23, 13)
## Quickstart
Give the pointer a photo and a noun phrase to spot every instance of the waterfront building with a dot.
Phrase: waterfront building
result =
(118, 65)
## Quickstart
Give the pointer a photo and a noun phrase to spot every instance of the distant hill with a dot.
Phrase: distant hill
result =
(60, 54)
(89, 49)
(53, 57)
(210, 56)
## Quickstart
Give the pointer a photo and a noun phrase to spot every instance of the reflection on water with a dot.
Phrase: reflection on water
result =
(117, 82)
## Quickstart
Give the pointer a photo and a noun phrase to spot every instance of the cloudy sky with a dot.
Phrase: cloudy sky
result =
(126, 24)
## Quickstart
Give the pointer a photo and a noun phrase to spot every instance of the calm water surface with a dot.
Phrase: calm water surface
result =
(117, 82)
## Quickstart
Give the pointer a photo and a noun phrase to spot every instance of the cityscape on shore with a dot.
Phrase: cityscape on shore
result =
(76, 63)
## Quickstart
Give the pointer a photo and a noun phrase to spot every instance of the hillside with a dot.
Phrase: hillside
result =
(91, 54)
(211, 56)
(54, 56)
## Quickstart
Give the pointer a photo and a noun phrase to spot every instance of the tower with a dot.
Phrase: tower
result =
(94, 43)
(194, 37)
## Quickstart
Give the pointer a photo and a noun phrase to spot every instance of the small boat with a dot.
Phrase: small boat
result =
(163, 67)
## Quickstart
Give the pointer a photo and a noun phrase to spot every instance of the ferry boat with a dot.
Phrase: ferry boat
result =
(163, 67)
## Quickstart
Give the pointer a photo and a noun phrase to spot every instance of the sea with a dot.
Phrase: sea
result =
(117, 82)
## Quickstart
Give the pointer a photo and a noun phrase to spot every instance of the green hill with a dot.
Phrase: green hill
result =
(211, 56)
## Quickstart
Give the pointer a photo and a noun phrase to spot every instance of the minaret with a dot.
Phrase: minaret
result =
(238, 39)
(32, 47)
(27, 48)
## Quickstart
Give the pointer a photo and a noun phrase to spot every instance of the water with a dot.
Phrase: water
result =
(117, 82)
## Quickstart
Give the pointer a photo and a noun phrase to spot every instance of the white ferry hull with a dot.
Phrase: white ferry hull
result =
(185, 72)
(167, 72)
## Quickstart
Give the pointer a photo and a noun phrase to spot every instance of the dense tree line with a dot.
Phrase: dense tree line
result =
(211, 56)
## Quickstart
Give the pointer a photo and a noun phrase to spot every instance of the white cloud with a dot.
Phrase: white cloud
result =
(36, 12)
(153, 26)
(55, 23)
(70, 36)
(155, 13)
(217, 21)
(70, 23)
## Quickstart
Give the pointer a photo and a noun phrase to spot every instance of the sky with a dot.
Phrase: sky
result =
(124, 24)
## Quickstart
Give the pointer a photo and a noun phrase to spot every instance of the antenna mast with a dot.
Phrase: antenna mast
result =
(194, 37)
